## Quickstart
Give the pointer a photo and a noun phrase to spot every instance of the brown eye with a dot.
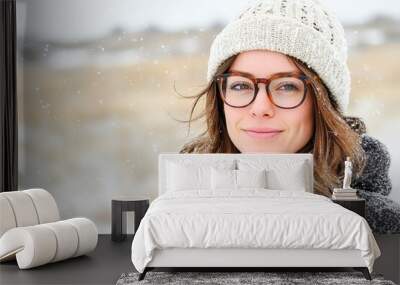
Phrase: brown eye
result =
(289, 87)
(240, 86)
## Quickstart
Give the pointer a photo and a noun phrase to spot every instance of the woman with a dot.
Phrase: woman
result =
(278, 81)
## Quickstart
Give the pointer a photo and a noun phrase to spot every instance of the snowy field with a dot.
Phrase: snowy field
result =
(93, 131)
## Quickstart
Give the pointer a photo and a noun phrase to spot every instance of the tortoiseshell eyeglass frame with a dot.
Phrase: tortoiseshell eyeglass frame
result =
(220, 80)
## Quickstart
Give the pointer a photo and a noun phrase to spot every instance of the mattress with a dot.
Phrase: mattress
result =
(253, 218)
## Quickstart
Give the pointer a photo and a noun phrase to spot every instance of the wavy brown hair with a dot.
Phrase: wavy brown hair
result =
(335, 136)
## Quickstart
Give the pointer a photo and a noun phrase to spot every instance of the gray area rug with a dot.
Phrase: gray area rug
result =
(284, 278)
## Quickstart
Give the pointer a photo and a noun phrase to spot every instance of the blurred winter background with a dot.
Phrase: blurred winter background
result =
(96, 89)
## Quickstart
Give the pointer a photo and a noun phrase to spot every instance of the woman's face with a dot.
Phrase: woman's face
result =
(296, 125)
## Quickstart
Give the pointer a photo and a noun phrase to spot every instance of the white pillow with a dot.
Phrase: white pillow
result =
(251, 178)
(223, 178)
(187, 177)
(237, 179)
(281, 174)
(293, 179)
(188, 174)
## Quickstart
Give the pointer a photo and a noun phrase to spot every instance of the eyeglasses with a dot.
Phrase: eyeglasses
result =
(286, 90)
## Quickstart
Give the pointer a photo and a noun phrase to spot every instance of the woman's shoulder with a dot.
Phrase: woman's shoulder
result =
(375, 175)
(376, 151)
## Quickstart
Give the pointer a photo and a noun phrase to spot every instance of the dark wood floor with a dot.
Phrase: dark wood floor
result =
(102, 266)
(109, 260)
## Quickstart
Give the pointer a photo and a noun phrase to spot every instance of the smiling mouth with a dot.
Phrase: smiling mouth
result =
(254, 134)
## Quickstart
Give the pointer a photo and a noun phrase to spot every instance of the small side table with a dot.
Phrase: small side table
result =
(119, 206)
(355, 205)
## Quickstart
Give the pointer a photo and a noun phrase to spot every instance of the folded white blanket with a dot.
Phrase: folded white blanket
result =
(250, 218)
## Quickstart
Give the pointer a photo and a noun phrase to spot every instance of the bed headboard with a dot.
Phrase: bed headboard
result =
(204, 158)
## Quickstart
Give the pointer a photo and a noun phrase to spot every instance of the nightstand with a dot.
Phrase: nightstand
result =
(355, 205)
(119, 206)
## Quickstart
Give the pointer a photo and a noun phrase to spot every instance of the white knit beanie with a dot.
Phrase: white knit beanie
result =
(304, 29)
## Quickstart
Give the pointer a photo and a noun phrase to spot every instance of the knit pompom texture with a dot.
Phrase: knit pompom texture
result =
(304, 29)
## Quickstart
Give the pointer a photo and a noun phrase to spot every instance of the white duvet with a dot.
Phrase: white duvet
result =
(250, 218)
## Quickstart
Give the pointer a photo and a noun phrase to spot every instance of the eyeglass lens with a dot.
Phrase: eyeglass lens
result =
(285, 92)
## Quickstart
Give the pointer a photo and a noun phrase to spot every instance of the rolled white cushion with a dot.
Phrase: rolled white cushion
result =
(87, 233)
(7, 218)
(40, 244)
(46, 206)
(33, 245)
(27, 208)
(67, 239)
(23, 208)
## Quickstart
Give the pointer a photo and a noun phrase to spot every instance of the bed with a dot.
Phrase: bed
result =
(245, 211)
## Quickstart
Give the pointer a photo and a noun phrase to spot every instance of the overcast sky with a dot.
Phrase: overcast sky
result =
(80, 19)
